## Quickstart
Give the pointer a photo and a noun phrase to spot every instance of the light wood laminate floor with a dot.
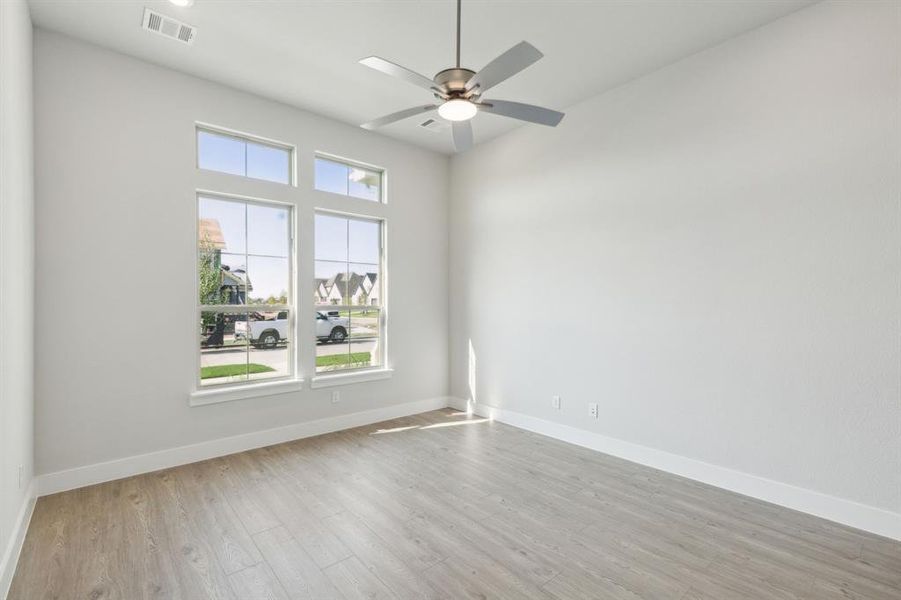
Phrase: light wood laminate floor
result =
(438, 505)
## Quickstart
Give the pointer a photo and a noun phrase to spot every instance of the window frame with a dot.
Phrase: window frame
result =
(248, 387)
(348, 162)
(382, 366)
(246, 137)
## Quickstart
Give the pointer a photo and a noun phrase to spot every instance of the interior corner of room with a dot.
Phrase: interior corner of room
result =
(611, 311)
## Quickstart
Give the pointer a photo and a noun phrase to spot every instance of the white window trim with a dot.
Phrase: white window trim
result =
(247, 137)
(324, 377)
(349, 377)
(382, 171)
(225, 392)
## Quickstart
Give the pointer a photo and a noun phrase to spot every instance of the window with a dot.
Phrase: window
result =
(245, 305)
(245, 157)
(349, 293)
(348, 179)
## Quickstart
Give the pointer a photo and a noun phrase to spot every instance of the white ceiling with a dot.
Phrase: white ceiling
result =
(305, 53)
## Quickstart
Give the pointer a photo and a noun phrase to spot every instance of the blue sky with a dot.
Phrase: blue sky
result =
(232, 155)
(257, 240)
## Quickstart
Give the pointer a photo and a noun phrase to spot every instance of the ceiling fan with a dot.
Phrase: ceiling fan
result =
(460, 90)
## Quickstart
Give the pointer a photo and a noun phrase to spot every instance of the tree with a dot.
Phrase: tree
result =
(209, 273)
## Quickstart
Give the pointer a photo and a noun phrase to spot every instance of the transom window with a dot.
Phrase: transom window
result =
(227, 153)
(349, 292)
(245, 304)
(348, 179)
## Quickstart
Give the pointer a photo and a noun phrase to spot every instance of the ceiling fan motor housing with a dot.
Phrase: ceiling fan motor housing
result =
(454, 81)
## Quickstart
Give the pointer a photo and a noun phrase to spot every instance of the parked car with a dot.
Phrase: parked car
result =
(266, 333)
(331, 326)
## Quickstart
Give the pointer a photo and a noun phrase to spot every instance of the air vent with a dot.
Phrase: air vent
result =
(168, 27)
(434, 125)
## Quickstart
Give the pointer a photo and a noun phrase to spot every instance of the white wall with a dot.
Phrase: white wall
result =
(710, 252)
(116, 335)
(16, 278)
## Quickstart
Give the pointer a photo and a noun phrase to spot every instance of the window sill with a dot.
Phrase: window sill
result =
(321, 381)
(242, 392)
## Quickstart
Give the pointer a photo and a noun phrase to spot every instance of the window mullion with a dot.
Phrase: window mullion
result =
(350, 318)
(247, 281)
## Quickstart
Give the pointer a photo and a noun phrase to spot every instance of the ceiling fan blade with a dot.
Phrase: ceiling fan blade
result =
(523, 112)
(504, 66)
(398, 116)
(389, 68)
(462, 135)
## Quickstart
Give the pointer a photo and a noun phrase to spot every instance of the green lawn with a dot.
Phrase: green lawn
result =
(331, 360)
(233, 370)
(335, 360)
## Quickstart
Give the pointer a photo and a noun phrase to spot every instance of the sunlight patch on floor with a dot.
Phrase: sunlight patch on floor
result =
(432, 426)
(394, 430)
(455, 423)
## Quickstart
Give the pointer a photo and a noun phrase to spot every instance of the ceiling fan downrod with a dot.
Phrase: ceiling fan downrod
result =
(459, 13)
(453, 81)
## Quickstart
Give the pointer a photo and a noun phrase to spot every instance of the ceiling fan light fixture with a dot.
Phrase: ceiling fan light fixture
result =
(457, 109)
(182, 3)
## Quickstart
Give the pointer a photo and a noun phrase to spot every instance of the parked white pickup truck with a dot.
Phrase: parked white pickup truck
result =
(266, 333)
(330, 327)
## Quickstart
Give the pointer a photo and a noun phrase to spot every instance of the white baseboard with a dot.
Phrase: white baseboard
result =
(846, 512)
(61, 481)
(16, 539)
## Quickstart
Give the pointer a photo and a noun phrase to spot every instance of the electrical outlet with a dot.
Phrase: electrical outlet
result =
(593, 409)
(336, 397)
(555, 402)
